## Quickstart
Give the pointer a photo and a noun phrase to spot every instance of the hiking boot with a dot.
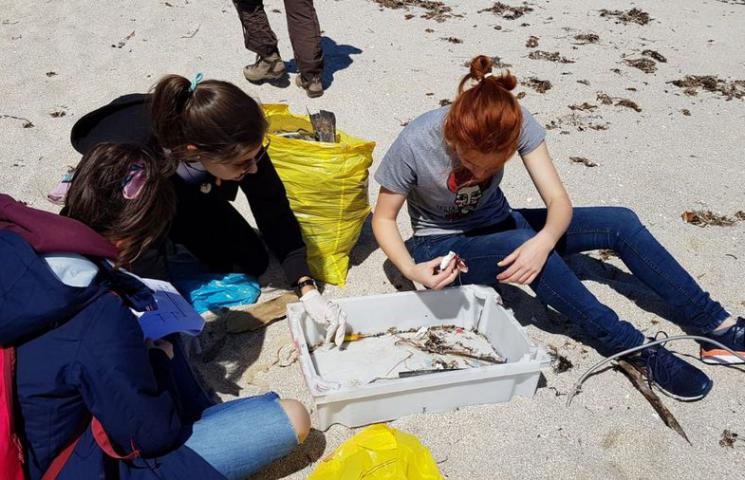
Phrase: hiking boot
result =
(675, 377)
(265, 69)
(311, 84)
(733, 337)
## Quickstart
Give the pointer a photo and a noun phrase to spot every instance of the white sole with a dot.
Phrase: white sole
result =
(680, 399)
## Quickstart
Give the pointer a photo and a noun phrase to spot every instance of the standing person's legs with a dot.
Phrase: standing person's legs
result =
(257, 33)
(620, 230)
(240, 437)
(260, 39)
(305, 35)
(216, 233)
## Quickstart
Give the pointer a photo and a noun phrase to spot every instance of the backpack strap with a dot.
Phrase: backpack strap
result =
(61, 459)
(104, 442)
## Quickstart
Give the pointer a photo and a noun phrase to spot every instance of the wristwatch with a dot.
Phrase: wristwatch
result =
(304, 283)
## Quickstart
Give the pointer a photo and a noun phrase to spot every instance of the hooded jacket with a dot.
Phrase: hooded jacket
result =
(80, 352)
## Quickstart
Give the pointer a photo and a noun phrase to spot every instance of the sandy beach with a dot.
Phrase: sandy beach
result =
(661, 144)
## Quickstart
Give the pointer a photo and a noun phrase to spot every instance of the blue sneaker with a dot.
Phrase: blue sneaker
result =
(675, 377)
(734, 338)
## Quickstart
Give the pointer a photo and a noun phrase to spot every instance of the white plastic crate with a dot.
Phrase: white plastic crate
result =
(469, 307)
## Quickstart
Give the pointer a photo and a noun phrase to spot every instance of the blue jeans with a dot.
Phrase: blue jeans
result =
(614, 228)
(242, 436)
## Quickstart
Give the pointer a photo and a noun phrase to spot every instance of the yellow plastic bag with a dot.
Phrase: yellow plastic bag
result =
(326, 184)
(379, 452)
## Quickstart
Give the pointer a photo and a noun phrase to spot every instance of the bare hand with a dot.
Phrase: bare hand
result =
(163, 345)
(429, 275)
(526, 262)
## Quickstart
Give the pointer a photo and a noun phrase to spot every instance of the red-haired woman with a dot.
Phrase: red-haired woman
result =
(447, 165)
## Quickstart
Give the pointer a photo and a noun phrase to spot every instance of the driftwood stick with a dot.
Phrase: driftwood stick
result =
(641, 384)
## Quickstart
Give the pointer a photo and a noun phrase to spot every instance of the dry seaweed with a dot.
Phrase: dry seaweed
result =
(540, 86)
(532, 42)
(445, 102)
(26, 122)
(704, 218)
(644, 64)
(654, 54)
(560, 363)
(604, 98)
(686, 112)
(625, 102)
(521, 95)
(434, 10)
(728, 89)
(606, 254)
(584, 161)
(586, 38)
(452, 39)
(434, 343)
(508, 12)
(548, 56)
(584, 82)
(634, 15)
(728, 439)
(580, 122)
(51, 74)
(584, 107)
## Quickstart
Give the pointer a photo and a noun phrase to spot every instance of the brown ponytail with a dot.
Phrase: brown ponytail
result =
(485, 117)
(220, 119)
(96, 198)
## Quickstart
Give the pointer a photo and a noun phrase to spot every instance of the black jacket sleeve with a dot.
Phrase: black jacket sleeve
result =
(268, 200)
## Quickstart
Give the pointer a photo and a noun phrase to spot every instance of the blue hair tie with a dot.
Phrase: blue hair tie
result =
(195, 81)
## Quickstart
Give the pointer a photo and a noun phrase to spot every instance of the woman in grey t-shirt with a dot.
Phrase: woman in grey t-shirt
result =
(447, 165)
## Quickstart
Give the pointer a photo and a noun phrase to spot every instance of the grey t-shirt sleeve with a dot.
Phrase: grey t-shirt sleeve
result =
(397, 172)
(532, 133)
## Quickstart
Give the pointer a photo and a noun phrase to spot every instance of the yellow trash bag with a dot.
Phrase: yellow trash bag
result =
(326, 184)
(379, 452)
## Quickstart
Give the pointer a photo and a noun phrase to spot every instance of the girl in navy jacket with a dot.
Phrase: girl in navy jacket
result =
(86, 381)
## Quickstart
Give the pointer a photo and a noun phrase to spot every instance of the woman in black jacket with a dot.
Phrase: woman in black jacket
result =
(214, 135)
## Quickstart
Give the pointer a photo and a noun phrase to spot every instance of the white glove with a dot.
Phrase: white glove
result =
(327, 314)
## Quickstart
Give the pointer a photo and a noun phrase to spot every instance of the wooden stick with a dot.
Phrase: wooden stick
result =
(642, 385)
